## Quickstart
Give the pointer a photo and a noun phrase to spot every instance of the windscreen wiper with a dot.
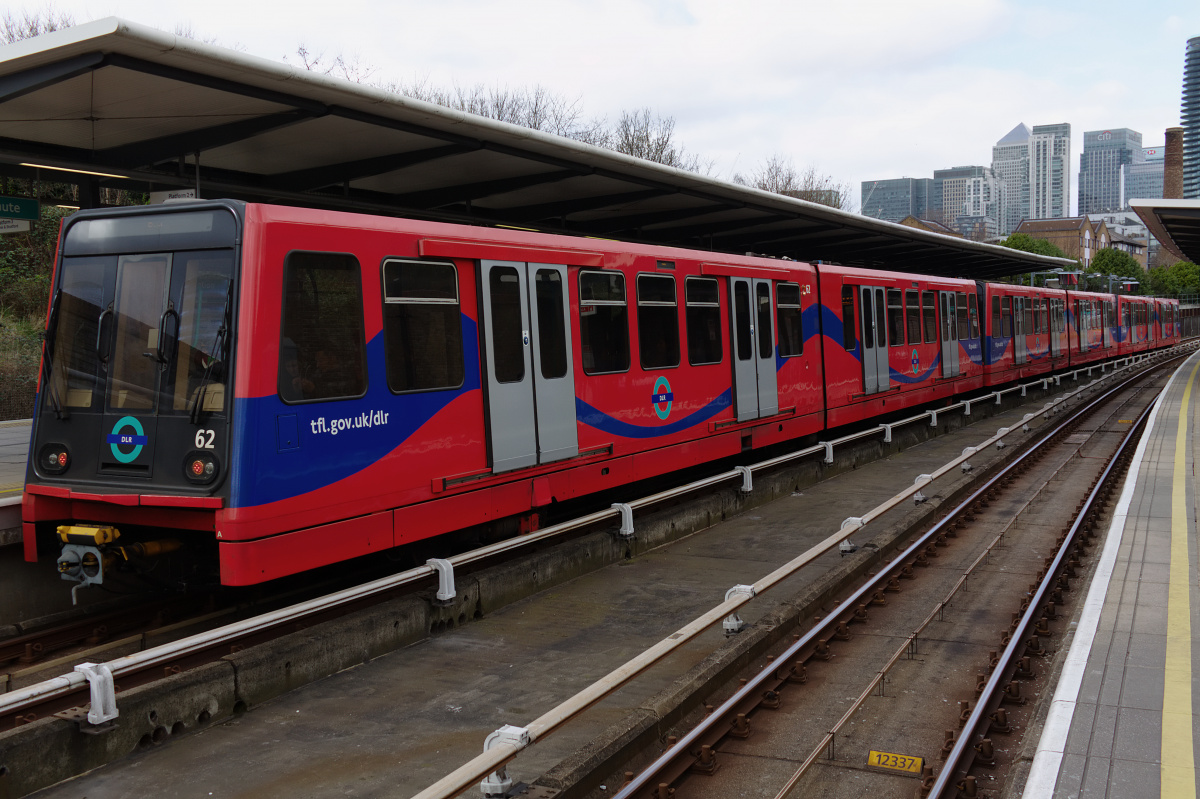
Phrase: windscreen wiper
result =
(220, 354)
(47, 372)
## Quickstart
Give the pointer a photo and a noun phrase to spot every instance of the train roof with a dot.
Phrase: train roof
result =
(135, 107)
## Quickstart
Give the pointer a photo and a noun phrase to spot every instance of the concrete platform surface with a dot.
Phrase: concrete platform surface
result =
(1123, 723)
(392, 726)
(14, 451)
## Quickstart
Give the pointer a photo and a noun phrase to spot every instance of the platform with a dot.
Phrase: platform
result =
(1122, 723)
(14, 450)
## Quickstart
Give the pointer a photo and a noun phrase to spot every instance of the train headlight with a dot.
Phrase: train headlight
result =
(201, 467)
(54, 458)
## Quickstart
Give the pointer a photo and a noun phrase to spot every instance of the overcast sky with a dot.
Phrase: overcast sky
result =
(862, 90)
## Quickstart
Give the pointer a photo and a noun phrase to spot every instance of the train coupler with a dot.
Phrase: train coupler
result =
(89, 550)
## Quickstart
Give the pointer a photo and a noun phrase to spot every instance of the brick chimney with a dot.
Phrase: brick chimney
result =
(1173, 166)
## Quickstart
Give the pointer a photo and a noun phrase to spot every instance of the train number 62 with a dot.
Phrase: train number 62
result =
(204, 439)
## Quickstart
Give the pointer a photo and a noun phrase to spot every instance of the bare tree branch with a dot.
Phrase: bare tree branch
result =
(14, 27)
(779, 175)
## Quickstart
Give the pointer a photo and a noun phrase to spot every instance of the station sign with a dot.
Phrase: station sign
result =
(14, 226)
(19, 208)
(159, 197)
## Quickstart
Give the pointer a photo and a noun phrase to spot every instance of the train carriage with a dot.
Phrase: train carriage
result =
(393, 380)
(1026, 331)
(893, 340)
(1092, 326)
(1133, 318)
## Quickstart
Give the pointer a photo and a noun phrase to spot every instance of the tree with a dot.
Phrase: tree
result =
(14, 27)
(644, 134)
(1178, 279)
(779, 175)
(1027, 243)
(1117, 262)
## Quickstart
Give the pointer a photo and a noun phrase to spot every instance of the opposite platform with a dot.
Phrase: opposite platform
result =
(1123, 723)
(14, 451)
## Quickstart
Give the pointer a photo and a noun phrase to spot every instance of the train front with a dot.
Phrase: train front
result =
(128, 460)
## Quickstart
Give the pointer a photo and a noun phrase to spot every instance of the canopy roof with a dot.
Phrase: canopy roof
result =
(150, 110)
(1175, 223)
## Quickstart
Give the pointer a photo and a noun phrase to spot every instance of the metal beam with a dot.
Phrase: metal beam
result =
(434, 198)
(47, 75)
(151, 151)
(317, 177)
(551, 210)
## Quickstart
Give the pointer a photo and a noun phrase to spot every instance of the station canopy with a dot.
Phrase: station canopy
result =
(1175, 223)
(121, 105)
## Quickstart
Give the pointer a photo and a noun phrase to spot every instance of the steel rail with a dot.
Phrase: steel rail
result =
(909, 642)
(680, 749)
(1017, 642)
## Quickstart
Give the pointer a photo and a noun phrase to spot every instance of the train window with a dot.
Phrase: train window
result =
(1006, 327)
(84, 293)
(322, 353)
(422, 326)
(964, 319)
(929, 316)
(1027, 309)
(205, 310)
(658, 321)
(703, 312)
(996, 316)
(741, 315)
(849, 331)
(552, 334)
(791, 326)
(912, 316)
(973, 307)
(603, 322)
(895, 317)
(766, 342)
(868, 313)
(508, 347)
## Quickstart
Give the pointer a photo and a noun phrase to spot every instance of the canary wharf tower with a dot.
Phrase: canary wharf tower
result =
(1190, 119)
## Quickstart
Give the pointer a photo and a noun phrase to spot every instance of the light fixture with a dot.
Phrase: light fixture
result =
(76, 171)
(68, 207)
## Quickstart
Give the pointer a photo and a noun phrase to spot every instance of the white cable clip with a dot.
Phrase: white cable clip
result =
(498, 783)
(733, 624)
(103, 691)
(626, 519)
(445, 573)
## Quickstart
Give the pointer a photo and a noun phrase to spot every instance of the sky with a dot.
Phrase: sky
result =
(861, 90)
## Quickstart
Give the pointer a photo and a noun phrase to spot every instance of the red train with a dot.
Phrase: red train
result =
(289, 388)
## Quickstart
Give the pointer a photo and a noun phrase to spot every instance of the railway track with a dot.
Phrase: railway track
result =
(923, 674)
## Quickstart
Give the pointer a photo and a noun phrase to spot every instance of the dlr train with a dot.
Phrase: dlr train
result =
(271, 389)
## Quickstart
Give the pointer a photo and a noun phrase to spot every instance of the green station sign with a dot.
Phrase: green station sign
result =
(19, 208)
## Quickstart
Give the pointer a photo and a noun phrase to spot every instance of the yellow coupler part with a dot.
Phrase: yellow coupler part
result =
(87, 534)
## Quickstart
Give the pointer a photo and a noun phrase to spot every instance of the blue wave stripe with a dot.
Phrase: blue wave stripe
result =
(600, 420)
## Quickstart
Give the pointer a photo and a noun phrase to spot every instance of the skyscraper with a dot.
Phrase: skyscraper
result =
(970, 200)
(896, 198)
(1189, 117)
(1144, 180)
(1102, 164)
(1049, 171)
(1010, 162)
